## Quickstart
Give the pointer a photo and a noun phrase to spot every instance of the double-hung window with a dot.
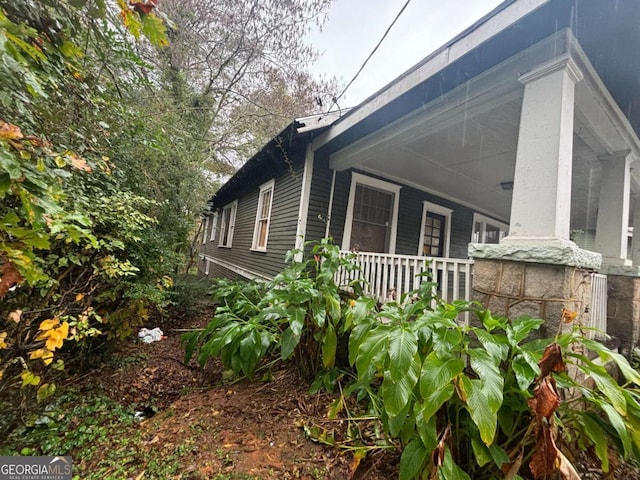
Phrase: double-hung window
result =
(372, 215)
(214, 226)
(263, 217)
(204, 229)
(228, 224)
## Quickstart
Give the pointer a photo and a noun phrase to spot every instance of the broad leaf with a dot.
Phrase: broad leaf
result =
(402, 349)
(435, 320)
(478, 407)
(604, 353)
(357, 335)
(445, 340)
(191, 340)
(521, 327)
(595, 434)
(396, 394)
(288, 343)
(496, 345)
(605, 383)
(426, 428)
(438, 371)
(413, 460)
(395, 423)
(490, 322)
(333, 307)
(524, 371)
(362, 309)
(450, 470)
(329, 345)
(371, 351)
(490, 376)
(432, 402)
(617, 422)
(296, 319)
(481, 452)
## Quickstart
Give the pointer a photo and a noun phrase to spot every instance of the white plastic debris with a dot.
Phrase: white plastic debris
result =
(148, 336)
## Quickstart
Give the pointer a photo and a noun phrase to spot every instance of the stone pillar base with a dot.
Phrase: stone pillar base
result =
(514, 287)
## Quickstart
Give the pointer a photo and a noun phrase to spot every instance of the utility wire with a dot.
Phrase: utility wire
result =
(335, 99)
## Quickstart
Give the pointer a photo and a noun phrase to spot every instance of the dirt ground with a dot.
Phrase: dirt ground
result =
(234, 428)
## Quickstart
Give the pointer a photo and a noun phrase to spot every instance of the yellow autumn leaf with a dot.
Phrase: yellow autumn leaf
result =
(29, 378)
(3, 336)
(57, 336)
(79, 297)
(43, 335)
(1, 374)
(44, 354)
(49, 324)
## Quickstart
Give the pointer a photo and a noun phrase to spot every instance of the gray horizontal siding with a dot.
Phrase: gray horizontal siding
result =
(282, 227)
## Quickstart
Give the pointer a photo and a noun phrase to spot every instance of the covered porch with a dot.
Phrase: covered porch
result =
(541, 153)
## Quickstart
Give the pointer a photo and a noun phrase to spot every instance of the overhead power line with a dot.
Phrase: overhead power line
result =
(335, 100)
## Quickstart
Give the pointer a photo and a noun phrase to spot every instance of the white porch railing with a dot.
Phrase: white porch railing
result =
(388, 276)
(598, 304)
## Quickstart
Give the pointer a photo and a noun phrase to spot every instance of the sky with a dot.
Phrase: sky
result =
(354, 27)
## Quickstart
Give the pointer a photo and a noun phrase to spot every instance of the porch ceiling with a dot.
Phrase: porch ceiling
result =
(465, 161)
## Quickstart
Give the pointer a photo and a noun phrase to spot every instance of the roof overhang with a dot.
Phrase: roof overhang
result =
(462, 145)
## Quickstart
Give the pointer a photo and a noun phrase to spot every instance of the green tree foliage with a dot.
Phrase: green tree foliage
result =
(73, 259)
(107, 147)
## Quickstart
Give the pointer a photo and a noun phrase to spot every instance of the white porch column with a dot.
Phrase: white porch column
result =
(613, 209)
(541, 204)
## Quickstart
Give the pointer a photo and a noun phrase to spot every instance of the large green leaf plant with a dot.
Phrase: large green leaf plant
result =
(460, 398)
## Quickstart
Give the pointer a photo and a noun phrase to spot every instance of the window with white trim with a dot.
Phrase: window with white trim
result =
(263, 217)
(228, 224)
(372, 215)
(435, 234)
(214, 226)
(487, 230)
(204, 229)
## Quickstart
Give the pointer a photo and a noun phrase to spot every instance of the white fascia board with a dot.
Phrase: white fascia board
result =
(314, 122)
(479, 33)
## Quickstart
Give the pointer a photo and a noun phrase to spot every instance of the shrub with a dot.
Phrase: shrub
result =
(299, 314)
(482, 401)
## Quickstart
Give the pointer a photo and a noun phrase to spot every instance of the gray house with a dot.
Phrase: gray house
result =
(506, 158)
